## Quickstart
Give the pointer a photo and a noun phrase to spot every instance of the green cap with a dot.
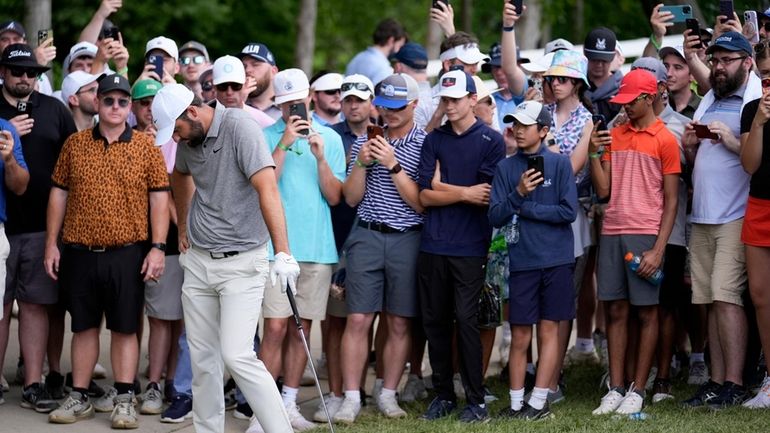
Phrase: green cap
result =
(145, 88)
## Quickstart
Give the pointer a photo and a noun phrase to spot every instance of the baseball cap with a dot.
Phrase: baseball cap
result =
(13, 26)
(228, 69)
(558, 44)
(456, 84)
(635, 83)
(730, 41)
(357, 85)
(169, 103)
(163, 43)
(766, 13)
(108, 83)
(195, 46)
(145, 88)
(538, 65)
(600, 44)
(396, 91)
(529, 113)
(482, 91)
(74, 82)
(81, 49)
(413, 55)
(569, 63)
(653, 66)
(20, 55)
(206, 75)
(257, 51)
(468, 54)
(329, 81)
(666, 51)
(290, 85)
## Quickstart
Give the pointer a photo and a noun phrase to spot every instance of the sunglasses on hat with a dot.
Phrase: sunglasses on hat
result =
(331, 92)
(346, 87)
(207, 86)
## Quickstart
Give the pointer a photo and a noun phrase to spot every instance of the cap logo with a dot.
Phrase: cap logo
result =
(389, 90)
(725, 39)
(19, 53)
(270, 57)
(601, 44)
(228, 68)
(116, 80)
(448, 82)
(288, 86)
(251, 49)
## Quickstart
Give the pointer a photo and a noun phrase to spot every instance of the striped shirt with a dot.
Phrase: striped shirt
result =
(382, 203)
(640, 159)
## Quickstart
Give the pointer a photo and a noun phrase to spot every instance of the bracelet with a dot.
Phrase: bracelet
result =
(360, 164)
(654, 42)
(284, 148)
(594, 155)
(122, 71)
(508, 29)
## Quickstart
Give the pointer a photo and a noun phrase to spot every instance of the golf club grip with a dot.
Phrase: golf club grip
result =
(293, 304)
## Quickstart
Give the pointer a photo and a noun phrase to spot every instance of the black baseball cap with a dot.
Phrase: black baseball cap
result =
(21, 56)
(108, 83)
(600, 44)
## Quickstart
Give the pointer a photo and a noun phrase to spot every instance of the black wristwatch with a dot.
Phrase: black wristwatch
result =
(396, 168)
(160, 245)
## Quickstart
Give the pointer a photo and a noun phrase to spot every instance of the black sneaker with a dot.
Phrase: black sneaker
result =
(509, 413)
(169, 391)
(35, 397)
(94, 390)
(529, 413)
(54, 385)
(529, 382)
(474, 413)
(703, 395)
(439, 409)
(243, 411)
(730, 394)
(180, 410)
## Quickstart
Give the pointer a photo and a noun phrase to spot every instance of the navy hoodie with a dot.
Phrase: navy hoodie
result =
(468, 159)
(544, 215)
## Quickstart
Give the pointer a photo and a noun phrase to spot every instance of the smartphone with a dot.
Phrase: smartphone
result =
(750, 17)
(518, 5)
(726, 8)
(600, 122)
(702, 131)
(43, 35)
(157, 62)
(22, 107)
(301, 111)
(694, 27)
(536, 162)
(112, 33)
(374, 131)
(680, 12)
(537, 84)
(436, 2)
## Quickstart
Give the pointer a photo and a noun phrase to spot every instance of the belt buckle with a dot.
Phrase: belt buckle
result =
(98, 249)
(217, 256)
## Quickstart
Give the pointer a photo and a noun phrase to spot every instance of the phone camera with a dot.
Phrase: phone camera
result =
(686, 9)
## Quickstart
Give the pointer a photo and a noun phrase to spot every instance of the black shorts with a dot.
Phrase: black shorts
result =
(103, 284)
(673, 292)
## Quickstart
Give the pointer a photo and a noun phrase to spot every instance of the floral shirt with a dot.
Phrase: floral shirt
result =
(569, 133)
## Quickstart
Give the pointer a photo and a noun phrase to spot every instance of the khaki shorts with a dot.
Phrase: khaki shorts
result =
(717, 263)
(312, 294)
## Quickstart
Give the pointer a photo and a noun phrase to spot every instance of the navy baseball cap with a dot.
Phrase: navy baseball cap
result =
(413, 55)
(730, 41)
(257, 51)
(13, 26)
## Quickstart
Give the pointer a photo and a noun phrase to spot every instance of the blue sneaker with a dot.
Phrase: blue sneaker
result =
(439, 409)
(180, 409)
(474, 413)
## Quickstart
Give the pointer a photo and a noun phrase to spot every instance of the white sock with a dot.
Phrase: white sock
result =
(696, 357)
(517, 398)
(388, 393)
(289, 395)
(354, 395)
(537, 398)
(584, 344)
(530, 368)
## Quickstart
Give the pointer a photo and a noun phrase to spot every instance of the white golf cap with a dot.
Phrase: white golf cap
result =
(74, 82)
(468, 54)
(330, 81)
(169, 103)
(357, 85)
(456, 84)
(290, 85)
(228, 69)
(163, 43)
(539, 65)
(529, 113)
(482, 90)
(81, 49)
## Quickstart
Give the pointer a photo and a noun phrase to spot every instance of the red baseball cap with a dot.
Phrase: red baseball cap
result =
(635, 83)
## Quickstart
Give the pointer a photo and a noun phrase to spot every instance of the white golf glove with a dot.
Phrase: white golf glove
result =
(285, 271)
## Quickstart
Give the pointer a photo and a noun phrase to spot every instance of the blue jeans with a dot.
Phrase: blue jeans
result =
(183, 375)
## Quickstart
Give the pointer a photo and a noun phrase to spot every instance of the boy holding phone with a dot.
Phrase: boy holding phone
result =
(538, 186)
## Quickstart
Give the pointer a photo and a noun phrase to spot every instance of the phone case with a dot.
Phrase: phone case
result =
(750, 17)
(680, 12)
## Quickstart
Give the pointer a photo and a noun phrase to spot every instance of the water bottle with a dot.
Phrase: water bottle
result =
(633, 261)
(511, 231)
(638, 416)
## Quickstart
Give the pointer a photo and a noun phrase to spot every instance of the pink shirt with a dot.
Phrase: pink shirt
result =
(262, 119)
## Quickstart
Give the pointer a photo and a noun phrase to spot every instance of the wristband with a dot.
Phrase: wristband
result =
(360, 164)
(594, 155)
(396, 169)
(160, 245)
(508, 29)
(654, 42)
(122, 71)
(284, 148)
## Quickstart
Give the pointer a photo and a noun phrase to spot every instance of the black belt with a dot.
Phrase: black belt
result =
(223, 255)
(98, 248)
(384, 228)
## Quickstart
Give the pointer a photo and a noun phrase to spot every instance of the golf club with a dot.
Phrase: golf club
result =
(301, 331)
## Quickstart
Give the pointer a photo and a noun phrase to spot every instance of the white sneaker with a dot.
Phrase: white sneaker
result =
(414, 389)
(389, 407)
(333, 404)
(632, 403)
(762, 399)
(348, 411)
(457, 380)
(699, 373)
(99, 372)
(152, 401)
(298, 422)
(106, 403)
(577, 357)
(376, 390)
(254, 426)
(609, 404)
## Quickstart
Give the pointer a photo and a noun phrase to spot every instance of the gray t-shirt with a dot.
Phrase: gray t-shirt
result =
(225, 214)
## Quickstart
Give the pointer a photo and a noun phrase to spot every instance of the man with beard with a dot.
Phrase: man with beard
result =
(373, 62)
(227, 204)
(259, 64)
(43, 123)
(78, 91)
(327, 104)
(720, 193)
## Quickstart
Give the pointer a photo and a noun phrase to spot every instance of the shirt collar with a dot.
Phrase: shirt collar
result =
(652, 129)
(125, 136)
(219, 112)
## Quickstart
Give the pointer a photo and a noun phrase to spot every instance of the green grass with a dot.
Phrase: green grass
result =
(574, 414)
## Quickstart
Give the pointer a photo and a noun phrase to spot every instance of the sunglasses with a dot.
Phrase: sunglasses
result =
(637, 99)
(29, 72)
(396, 110)
(207, 86)
(198, 60)
(363, 87)
(331, 92)
(145, 102)
(562, 80)
(222, 87)
(110, 101)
